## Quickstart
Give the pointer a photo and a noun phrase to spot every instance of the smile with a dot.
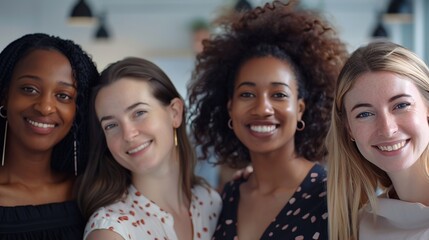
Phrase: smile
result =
(263, 128)
(393, 147)
(139, 148)
(40, 125)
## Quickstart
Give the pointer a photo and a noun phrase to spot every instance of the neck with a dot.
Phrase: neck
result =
(163, 188)
(416, 177)
(278, 171)
(27, 166)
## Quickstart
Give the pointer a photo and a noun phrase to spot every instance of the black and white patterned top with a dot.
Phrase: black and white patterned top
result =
(303, 217)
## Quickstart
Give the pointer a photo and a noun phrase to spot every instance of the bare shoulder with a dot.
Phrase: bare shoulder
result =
(104, 234)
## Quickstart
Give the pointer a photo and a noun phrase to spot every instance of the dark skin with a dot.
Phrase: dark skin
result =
(41, 107)
(265, 110)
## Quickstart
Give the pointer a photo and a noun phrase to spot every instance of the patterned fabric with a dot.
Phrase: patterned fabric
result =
(53, 221)
(136, 217)
(303, 217)
(395, 219)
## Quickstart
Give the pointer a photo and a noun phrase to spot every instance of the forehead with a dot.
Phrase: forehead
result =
(43, 63)
(266, 70)
(122, 93)
(379, 87)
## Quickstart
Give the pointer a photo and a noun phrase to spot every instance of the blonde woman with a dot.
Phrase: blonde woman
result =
(378, 140)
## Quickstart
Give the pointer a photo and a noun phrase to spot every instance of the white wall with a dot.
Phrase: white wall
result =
(159, 29)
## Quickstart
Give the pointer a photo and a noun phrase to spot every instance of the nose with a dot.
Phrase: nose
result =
(386, 125)
(263, 106)
(129, 132)
(46, 105)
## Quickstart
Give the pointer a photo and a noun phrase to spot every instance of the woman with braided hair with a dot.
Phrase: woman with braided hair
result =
(44, 89)
(262, 94)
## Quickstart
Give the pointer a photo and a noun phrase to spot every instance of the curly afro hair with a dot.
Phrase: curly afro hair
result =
(281, 30)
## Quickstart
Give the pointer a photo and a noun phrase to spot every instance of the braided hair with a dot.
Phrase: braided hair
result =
(85, 74)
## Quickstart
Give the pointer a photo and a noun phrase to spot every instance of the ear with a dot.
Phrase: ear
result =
(301, 108)
(228, 106)
(176, 111)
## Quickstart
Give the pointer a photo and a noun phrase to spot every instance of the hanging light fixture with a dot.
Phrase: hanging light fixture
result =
(242, 5)
(379, 30)
(81, 14)
(102, 33)
(399, 11)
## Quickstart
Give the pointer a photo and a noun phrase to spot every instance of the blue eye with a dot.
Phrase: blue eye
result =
(139, 113)
(402, 105)
(364, 115)
(109, 126)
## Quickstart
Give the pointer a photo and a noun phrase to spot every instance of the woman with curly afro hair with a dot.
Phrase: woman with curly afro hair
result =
(262, 93)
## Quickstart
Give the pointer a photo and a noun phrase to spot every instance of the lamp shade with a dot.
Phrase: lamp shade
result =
(242, 5)
(81, 14)
(400, 7)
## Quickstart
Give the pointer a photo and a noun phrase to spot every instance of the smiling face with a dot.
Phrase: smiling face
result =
(138, 128)
(265, 108)
(41, 101)
(388, 119)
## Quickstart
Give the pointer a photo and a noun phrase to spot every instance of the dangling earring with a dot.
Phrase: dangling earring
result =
(300, 128)
(3, 115)
(75, 156)
(4, 144)
(175, 137)
(230, 123)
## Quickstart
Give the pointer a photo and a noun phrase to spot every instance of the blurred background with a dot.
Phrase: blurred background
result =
(169, 32)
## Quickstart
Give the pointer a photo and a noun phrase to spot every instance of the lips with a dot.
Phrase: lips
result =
(40, 124)
(263, 128)
(139, 148)
(393, 147)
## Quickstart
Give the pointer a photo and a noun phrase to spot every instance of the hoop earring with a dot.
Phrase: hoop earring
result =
(3, 115)
(230, 123)
(352, 139)
(175, 137)
(298, 127)
(4, 144)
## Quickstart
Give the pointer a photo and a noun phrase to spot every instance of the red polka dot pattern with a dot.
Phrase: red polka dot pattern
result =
(136, 217)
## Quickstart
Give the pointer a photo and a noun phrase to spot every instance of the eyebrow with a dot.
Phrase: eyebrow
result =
(254, 84)
(390, 100)
(39, 79)
(128, 109)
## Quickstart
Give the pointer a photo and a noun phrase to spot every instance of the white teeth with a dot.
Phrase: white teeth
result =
(392, 147)
(40, 125)
(139, 148)
(262, 128)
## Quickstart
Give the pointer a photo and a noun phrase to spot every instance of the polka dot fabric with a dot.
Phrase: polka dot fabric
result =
(303, 217)
(136, 217)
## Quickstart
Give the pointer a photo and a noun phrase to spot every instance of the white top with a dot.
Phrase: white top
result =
(136, 217)
(396, 219)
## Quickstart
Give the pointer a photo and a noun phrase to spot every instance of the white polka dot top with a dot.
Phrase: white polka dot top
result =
(136, 217)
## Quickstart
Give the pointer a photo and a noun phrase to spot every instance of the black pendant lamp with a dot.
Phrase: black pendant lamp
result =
(81, 14)
(242, 5)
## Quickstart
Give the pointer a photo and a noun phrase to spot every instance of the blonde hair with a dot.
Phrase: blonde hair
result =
(352, 180)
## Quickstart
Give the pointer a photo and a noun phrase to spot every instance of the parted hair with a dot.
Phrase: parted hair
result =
(106, 181)
(302, 38)
(353, 180)
(85, 74)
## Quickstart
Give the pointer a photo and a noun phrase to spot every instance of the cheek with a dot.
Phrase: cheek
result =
(113, 145)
